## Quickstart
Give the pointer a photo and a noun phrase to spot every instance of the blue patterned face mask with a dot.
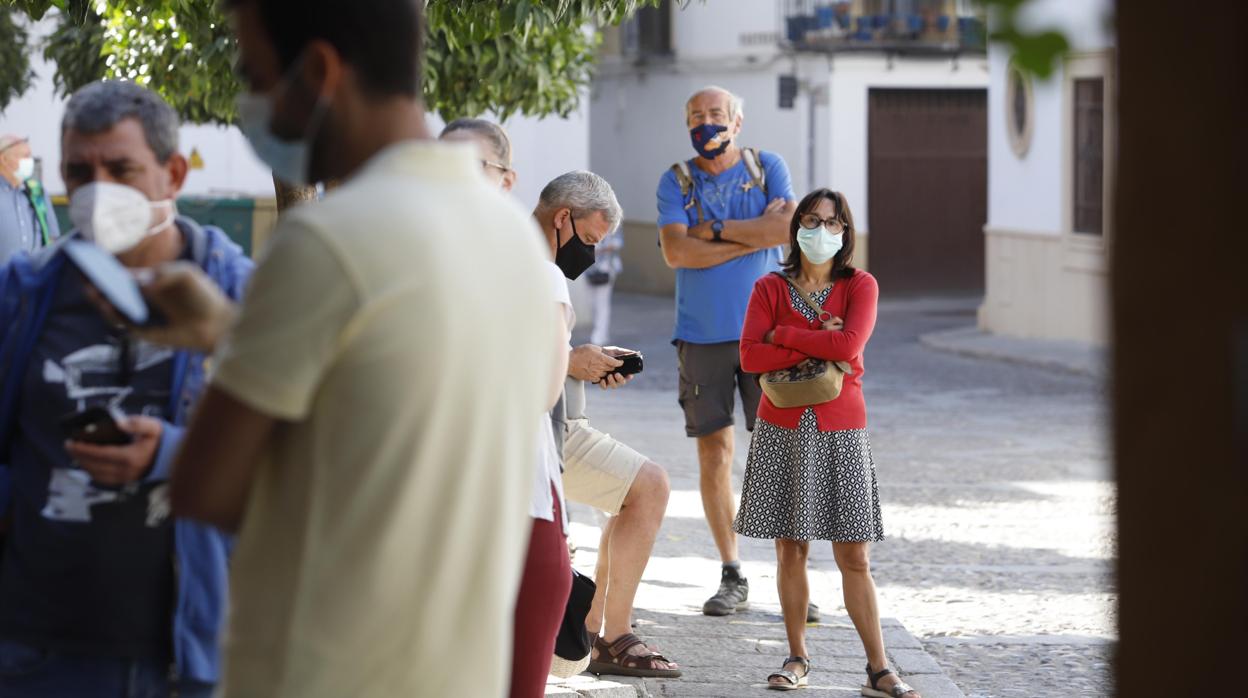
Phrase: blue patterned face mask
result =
(818, 244)
(709, 141)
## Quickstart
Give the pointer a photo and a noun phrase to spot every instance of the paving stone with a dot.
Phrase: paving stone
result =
(900, 639)
(911, 662)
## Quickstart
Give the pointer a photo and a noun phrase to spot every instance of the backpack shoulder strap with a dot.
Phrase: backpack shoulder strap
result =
(754, 165)
(685, 177)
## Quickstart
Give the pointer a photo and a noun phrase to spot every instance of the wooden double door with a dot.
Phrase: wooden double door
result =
(927, 184)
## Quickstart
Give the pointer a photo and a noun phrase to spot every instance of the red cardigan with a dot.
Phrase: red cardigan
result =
(796, 339)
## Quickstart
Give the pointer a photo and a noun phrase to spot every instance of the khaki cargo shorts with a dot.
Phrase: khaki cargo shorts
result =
(597, 469)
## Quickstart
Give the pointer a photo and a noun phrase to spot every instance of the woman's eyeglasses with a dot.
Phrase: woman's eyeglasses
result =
(487, 164)
(811, 221)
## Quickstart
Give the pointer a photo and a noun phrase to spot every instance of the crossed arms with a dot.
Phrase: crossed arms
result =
(767, 345)
(693, 247)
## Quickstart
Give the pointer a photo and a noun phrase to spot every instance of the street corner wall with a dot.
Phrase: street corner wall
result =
(1045, 287)
(644, 268)
(1042, 280)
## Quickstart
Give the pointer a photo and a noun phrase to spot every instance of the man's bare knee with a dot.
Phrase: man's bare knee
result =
(651, 486)
(716, 440)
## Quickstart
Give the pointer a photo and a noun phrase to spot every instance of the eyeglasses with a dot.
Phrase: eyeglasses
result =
(487, 164)
(811, 221)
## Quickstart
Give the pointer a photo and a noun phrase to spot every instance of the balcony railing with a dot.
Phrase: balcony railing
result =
(902, 26)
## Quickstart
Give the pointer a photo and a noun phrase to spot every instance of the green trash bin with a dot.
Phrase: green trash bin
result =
(234, 216)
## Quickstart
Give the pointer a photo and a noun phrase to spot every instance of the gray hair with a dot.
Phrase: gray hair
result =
(101, 105)
(490, 131)
(584, 193)
(736, 105)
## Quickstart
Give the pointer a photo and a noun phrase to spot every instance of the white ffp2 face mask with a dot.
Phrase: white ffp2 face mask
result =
(25, 169)
(114, 216)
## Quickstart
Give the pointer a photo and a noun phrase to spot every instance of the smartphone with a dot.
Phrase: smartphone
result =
(96, 425)
(111, 279)
(633, 363)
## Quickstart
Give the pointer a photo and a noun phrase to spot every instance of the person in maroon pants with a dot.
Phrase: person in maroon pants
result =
(547, 577)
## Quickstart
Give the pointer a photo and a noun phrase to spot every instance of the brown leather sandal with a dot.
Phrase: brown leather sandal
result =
(615, 660)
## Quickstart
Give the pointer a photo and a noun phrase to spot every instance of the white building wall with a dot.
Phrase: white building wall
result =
(1026, 195)
(714, 29)
(1043, 281)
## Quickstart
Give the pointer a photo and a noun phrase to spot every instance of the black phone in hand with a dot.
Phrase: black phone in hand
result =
(96, 425)
(633, 363)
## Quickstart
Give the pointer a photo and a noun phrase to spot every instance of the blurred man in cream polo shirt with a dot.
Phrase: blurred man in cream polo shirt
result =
(369, 429)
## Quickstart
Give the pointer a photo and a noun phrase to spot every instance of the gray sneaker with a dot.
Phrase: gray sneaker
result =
(812, 613)
(733, 595)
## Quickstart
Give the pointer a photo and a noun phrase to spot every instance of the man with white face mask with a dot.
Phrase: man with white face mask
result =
(101, 592)
(27, 221)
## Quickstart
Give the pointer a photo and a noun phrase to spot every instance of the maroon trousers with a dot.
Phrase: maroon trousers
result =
(540, 604)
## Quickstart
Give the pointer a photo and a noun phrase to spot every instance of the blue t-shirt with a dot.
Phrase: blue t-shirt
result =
(87, 568)
(711, 302)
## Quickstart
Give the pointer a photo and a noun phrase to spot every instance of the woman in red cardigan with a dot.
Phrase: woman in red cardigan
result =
(810, 475)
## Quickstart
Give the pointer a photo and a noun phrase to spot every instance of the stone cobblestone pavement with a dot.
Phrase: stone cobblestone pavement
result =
(998, 507)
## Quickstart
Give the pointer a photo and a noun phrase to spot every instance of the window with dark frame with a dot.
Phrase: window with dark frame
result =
(649, 32)
(1089, 142)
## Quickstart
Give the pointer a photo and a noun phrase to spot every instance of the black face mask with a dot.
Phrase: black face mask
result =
(574, 256)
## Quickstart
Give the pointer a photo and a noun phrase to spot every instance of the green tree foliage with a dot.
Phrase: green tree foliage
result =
(1037, 52)
(530, 57)
(15, 72)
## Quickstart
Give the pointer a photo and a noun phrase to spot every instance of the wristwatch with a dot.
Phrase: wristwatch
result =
(717, 229)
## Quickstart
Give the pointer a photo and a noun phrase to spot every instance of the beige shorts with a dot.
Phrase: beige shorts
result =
(597, 469)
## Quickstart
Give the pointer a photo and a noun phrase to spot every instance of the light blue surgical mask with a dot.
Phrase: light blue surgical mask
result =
(287, 159)
(818, 244)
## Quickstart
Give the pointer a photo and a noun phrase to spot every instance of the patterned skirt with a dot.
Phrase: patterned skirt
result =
(806, 484)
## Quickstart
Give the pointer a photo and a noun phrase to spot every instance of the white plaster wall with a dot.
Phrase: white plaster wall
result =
(1026, 194)
(713, 29)
(850, 80)
(1085, 23)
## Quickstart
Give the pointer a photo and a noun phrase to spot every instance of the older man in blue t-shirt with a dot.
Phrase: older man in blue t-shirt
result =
(722, 217)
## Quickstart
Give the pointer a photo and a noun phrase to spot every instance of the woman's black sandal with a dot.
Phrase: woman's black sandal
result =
(898, 690)
(794, 681)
